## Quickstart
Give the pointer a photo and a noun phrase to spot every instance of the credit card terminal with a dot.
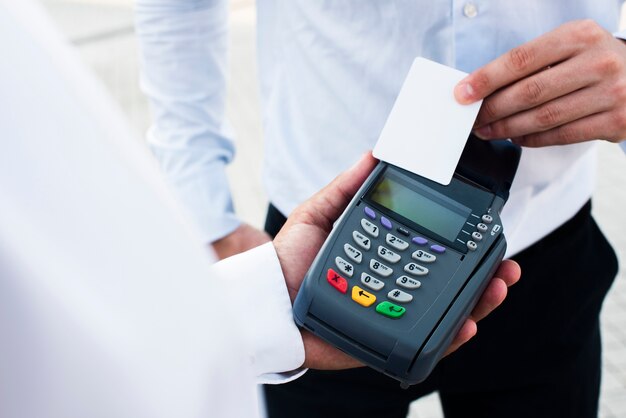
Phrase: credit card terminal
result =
(407, 261)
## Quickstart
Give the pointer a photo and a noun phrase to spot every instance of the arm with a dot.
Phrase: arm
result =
(564, 87)
(184, 59)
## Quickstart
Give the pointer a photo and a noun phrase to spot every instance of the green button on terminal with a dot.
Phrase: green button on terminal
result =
(390, 310)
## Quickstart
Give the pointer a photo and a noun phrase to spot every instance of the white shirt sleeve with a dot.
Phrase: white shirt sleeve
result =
(259, 293)
(183, 47)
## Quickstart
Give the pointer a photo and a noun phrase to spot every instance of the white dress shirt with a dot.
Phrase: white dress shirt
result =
(109, 305)
(329, 74)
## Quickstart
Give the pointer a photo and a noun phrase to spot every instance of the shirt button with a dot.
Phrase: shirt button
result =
(470, 10)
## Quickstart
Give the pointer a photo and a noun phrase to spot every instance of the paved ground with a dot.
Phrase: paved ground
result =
(102, 31)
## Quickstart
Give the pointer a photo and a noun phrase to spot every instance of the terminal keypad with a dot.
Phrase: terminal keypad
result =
(390, 271)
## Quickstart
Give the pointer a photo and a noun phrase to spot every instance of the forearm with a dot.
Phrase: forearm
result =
(183, 50)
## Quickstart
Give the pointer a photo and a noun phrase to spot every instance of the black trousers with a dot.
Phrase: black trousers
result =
(537, 355)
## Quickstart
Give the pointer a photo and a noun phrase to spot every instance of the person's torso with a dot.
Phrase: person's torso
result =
(330, 72)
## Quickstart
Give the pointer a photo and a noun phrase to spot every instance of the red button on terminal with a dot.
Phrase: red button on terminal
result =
(337, 281)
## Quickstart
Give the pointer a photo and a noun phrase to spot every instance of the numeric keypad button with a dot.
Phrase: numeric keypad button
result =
(344, 267)
(399, 296)
(408, 283)
(388, 255)
(369, 227)
(416, 269)
(353, 254)
(371, 282)
(397, 243)
(423, 256)
(380, 268)
(361, 240)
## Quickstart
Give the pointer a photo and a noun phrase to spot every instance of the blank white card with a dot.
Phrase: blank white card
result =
(427, 128)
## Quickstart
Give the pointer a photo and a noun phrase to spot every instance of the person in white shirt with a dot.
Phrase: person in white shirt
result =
(329, 73)
(109, 304)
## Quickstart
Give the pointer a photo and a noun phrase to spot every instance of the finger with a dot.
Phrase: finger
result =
(491, 298)
(549, 115)
(520, 62)
(330, 202)
(509, 271)
(537, 89)
(606, 125)
(467, 331)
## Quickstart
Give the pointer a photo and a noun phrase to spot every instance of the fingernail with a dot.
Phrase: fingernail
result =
(364, 156)
(464, 92)
(484, 132)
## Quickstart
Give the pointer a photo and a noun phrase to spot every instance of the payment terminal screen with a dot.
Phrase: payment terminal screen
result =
(422, 206)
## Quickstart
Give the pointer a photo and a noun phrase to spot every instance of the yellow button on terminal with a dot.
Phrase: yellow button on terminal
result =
(362, 297)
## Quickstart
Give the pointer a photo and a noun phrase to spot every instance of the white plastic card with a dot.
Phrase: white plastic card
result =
(427, 128)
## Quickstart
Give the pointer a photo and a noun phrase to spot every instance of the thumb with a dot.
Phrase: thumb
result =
(330, 202)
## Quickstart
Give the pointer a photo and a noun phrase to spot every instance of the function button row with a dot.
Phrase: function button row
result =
(408, 283)
(423, 256)
(369, 212)
(369, 227)
(344, 267)
(361, 240)
(353, 254)
(420, 241)
(380, 268)
(362, 297)
(390, 310)
(371, 282)
(337, 281)
(399, 296)
(397, 243)
(416, 269)
(388, 255)
(438, 248)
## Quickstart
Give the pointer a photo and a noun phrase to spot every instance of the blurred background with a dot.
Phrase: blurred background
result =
(102, 31)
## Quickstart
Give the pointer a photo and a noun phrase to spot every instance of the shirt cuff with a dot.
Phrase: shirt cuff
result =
(258, 290)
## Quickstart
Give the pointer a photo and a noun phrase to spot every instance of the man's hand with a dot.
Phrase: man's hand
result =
(564, 87)
(243, 238)
(299, 241)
